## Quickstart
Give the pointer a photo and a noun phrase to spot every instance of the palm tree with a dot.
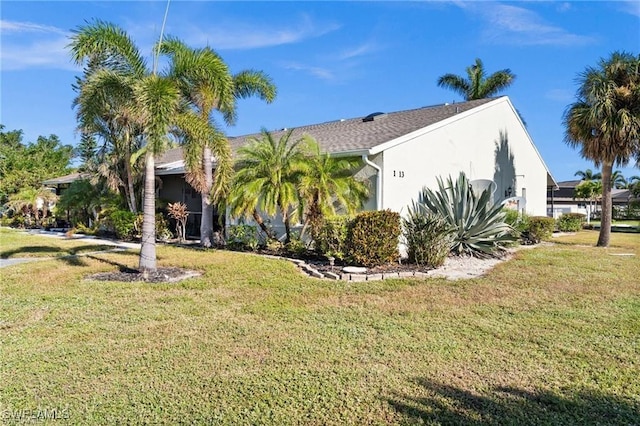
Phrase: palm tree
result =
(477, 85)
(207, 86)
(634, 185)
(328, 186)
(604, 122)
(588, 175)
(114, 61)
(589, 190)
(618, 180)
(106, 109)
(27, 202)
(268, 172)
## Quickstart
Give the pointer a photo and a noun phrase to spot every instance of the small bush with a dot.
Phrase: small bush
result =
(428, 237)
(331, 236)
(242, 237)
(163, 233)
(519, 223)
(571, 222)
(372, 238)
(296, 245)
(540, 228)
(123, 223)
(81, 228)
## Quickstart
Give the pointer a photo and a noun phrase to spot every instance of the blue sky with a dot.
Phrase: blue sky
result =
(333, 60)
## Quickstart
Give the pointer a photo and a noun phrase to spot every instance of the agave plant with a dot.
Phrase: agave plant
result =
(479, 228)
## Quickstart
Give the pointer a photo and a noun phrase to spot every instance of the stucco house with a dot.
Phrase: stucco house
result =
(404, 151)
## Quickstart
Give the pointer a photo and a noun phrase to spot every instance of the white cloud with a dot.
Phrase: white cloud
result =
(13, 27)
(244, 35)
(30, 45)
(631, 7)
(516, 25)
(322, 73)
(361, 50)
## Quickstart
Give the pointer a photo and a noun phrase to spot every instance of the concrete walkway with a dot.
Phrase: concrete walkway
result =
(117, 246)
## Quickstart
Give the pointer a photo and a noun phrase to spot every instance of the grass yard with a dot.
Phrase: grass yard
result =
(550, 337)
(15, 244)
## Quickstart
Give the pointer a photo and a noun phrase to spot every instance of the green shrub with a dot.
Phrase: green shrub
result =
(123, 223)
(296, 245)
(480, 228)
(81, 228)
(428, 237)
(331, 236)
(242, 237)
(372, 238)
(163, 233)
(571, 222)
(518, 221)
(540, 228)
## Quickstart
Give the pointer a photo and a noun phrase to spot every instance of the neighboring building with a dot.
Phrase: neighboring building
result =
(561, 200)
(59, 184)
(404, 151)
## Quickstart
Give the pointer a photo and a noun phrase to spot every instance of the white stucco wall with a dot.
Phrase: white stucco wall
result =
(469, 142)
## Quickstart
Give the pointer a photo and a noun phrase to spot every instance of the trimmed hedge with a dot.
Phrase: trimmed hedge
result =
(540, 228)
(372, 238)
(571, 222)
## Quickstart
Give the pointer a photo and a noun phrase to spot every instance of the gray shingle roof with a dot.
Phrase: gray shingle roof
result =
(354, 134)
(66, 179)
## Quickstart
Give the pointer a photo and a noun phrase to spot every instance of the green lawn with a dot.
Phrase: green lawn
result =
(549, 337)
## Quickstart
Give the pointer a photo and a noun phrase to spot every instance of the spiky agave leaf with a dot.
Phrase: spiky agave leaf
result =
(479, 227)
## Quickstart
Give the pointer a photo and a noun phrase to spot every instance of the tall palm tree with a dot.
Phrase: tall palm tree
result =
(477, 85)
(328, 186)
(604, 122)
(113, 60)
(588, 175)
(208, 86)
(106, 109)
(268, 172)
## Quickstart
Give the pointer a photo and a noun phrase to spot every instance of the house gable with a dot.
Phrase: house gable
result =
(488, 142)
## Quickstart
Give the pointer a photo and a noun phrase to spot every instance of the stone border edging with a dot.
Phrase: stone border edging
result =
(309, 270)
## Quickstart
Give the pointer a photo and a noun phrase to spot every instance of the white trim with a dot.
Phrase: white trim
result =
(172, 165)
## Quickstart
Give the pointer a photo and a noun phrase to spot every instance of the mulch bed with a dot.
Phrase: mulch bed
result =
(161, 275)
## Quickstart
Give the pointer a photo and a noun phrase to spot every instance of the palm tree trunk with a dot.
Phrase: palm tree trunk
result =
(605, 220)
(148, 246)
(262, 225)
(287, 227)
(130, 190)
(206, 222)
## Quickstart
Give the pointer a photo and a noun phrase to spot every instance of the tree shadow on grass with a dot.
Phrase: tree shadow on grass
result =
(501, 405)
(121, 267)
(26, 251)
